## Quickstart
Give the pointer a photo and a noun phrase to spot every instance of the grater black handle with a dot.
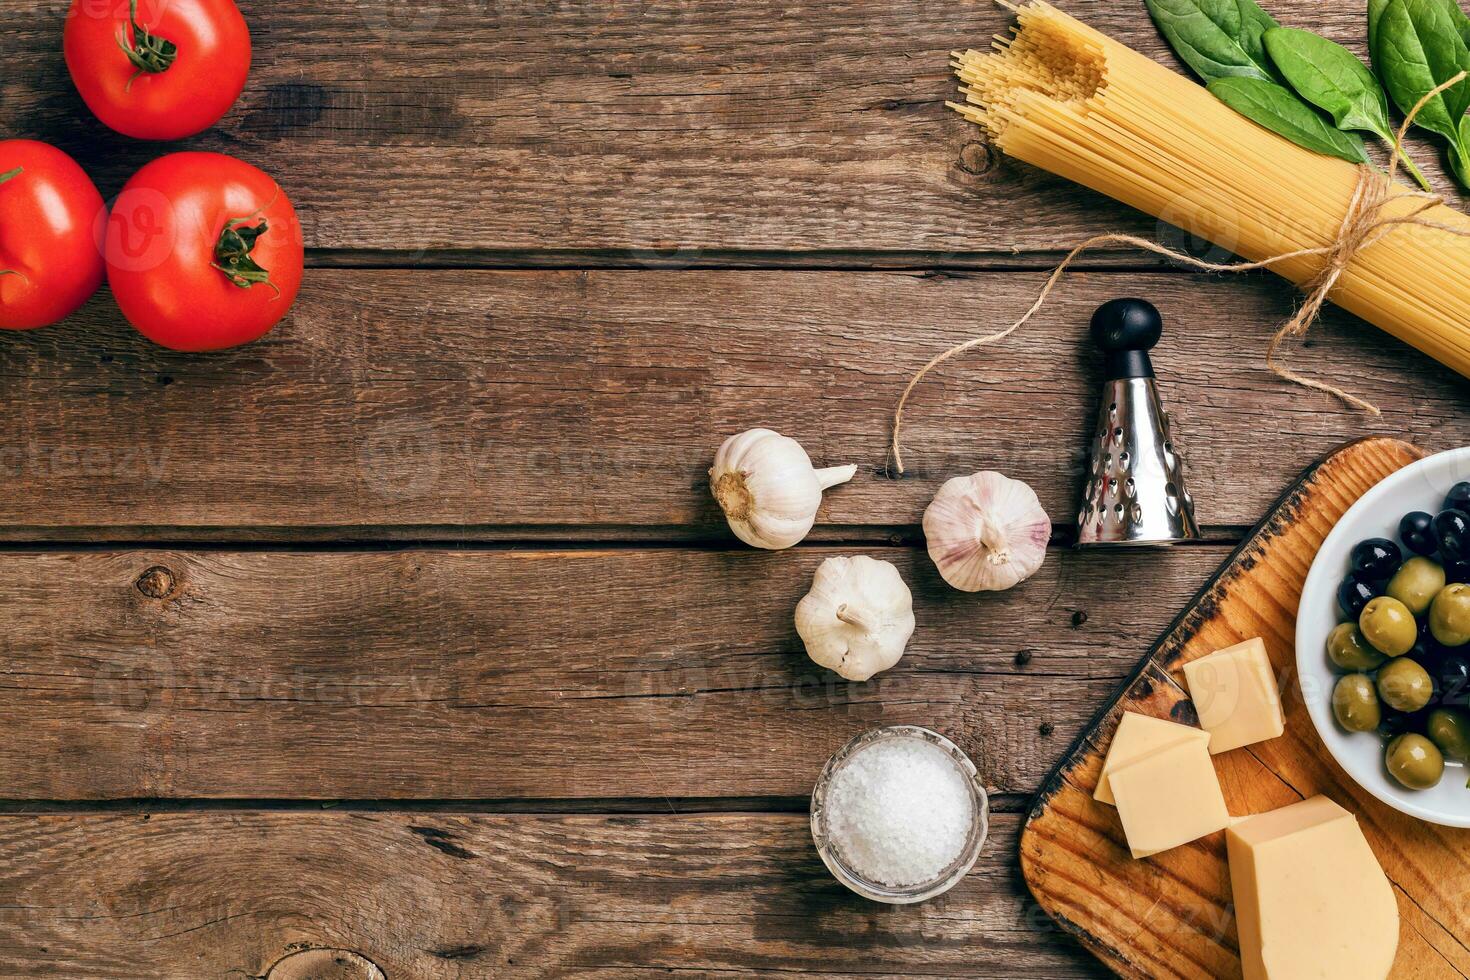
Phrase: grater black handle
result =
(1126, 330)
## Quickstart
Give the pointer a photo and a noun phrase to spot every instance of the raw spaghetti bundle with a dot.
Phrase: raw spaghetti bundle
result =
(1068, 99)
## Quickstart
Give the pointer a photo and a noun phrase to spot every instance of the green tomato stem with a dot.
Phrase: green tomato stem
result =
(148, 52)
(7, 175)
(232, 253)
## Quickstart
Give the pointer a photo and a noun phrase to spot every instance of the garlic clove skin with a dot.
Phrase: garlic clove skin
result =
(769, 489)
(857, 618)
(986, 532)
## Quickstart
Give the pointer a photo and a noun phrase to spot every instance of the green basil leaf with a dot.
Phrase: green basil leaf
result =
(1460, 156)
(1419, 47)
(1279, 110)
(1330, 77)
(1375, 17)
(1217, 38)
(1460, 20)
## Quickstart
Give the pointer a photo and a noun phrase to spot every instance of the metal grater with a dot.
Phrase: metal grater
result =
(1135, 491)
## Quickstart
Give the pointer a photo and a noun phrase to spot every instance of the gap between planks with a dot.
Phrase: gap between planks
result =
(480, 538)
(621, 806)
(706, 259)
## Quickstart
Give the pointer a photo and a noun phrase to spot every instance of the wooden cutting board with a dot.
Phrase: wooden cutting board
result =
(1171, 915)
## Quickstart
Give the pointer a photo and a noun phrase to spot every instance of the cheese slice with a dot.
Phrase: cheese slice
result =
(1235, 694)
(1138, 736)
(1169, 797)
(1311, 900)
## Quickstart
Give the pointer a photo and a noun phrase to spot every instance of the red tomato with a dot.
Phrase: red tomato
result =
(203, 252)
(159, 69)
(50, 219)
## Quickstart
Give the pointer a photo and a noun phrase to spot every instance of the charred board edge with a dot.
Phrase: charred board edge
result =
(1163, 654)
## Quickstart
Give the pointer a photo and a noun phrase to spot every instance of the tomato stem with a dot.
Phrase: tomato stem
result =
(11, 173)
(148, 52)
(232, 251)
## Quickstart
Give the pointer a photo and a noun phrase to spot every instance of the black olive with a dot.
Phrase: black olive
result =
(1416, 530)
(1395, 722)
(1458, 571)
(1452, 680)
(1453, 529)
(1427, 650)
(1376, 559)
(1459, 497)
(1354, 593)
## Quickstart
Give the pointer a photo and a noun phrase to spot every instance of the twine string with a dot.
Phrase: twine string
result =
(1363, 224)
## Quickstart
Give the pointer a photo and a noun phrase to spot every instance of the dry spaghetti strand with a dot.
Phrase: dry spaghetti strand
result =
(1075, 102)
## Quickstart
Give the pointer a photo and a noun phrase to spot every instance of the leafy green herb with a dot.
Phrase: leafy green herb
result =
(1418, 47)
(1278, 109)
(1461, 20)
(1375, 13)
(1375, 17)
(1460, 164)
(1245, 56)
(1230, 42)
(1331, 77)
(1217, 38)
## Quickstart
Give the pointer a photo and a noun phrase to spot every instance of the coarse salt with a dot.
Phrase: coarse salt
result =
(899, 812)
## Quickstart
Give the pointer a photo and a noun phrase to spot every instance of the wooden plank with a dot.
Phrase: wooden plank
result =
(442, 896)
(535, 674)
(472, 405)
(1171, 915)
(654, 131)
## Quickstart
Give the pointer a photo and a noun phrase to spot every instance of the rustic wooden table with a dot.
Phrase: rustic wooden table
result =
(411, 630)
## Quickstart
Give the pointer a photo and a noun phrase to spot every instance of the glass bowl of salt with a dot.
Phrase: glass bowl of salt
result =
(899, 814)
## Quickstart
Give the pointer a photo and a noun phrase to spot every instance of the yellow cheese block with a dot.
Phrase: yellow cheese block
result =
(1169, 797)
(1138, 736)
(1310, 898)
(1235, 693)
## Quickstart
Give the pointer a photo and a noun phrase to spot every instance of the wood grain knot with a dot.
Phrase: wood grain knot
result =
(325, 964)
(975, 159)
(156, 583)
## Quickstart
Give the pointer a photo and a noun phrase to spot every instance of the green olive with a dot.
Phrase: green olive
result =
(1416, 583)
(1450, 730)
(1404, 685)
(1449, 617)
(1347, 649)
(1414, 761)
(1389, 626)
(1355, 703)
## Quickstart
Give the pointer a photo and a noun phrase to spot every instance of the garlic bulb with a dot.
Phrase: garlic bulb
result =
(986, 532)
(857, 618)
(769, 490)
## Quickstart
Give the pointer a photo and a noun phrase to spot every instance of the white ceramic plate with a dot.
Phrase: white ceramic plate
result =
(1419, 486)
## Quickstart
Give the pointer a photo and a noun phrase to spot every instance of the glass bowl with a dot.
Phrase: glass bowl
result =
(922, 891)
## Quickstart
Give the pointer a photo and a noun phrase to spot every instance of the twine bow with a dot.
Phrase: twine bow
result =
(1363, 224)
